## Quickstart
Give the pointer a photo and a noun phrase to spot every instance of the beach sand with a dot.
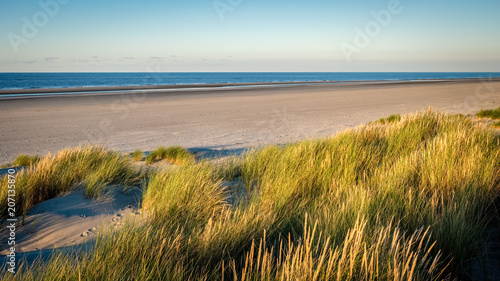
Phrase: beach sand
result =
(72, 220)
(221, 118)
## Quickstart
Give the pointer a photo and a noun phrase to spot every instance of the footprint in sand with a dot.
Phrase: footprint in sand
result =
(128, 207)
(117, 218)
(88, 232)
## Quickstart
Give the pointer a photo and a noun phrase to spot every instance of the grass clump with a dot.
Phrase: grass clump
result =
(489, 113)
(173, 154)
(496, 124)
(137, 155)
(408, 200)
(25, 160)
(387, 254)
(94, 167)
(390, 119)
(190, 193)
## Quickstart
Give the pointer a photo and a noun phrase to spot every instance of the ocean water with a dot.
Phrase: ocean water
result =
(69, 80)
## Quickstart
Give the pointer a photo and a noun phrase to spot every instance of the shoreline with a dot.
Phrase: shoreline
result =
(152, 88)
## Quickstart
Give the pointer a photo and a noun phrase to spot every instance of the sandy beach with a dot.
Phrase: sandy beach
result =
(224, 119)
(219, 118)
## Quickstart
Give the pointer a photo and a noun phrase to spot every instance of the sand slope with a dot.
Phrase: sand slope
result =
(71, 220)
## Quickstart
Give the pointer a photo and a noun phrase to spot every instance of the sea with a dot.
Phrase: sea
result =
(98, 79)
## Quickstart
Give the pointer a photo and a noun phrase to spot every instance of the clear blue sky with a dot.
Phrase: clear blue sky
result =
(249, 35)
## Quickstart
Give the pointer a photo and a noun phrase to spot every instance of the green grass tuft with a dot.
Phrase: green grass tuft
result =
(173, 154)
(390, 119)
(489, 113)
(137, 155)
(190, 193)
(25, 160)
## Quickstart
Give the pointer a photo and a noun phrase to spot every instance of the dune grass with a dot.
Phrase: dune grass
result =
(191, 194)
(406, 200)
(496, 124)
(390, 119)
(26, 160)
(22, 160)
(94, 167)
(137, 155)
(426, 170)
(489, 113)
(173, 154)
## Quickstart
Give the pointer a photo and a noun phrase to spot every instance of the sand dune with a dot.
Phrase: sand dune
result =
(72, 220)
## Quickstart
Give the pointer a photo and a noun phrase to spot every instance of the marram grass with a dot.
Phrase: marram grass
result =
(173, 154)
(190, 194)
(137, 155)
(25, 160)
(22, 160)
(410, 199)
(390, 119)
(489, 113)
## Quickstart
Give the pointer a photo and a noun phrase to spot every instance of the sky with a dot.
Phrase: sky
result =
(249, 35)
